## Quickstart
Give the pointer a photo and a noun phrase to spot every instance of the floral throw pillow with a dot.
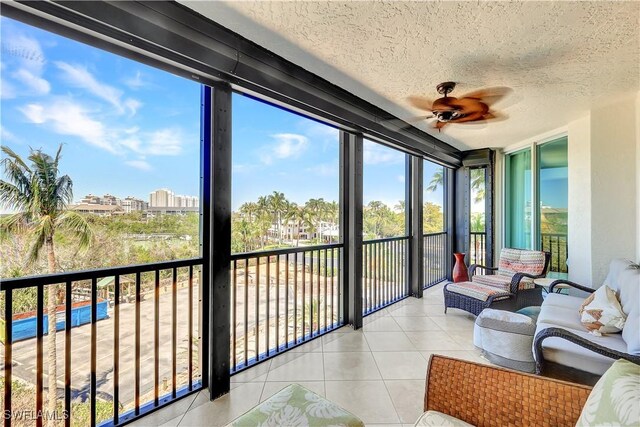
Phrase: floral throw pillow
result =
(601, 313)
(614, 399)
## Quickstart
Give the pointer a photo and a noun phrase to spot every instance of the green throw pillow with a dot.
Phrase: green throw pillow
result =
(615, 399)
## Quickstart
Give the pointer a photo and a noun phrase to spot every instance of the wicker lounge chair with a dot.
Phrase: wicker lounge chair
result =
(489, 396)
(512, 288)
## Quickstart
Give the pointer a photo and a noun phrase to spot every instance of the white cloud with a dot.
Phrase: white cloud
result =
(375, 154)
(135, 82)
(36, 84)
(164, 142)
(23, 62)
(68, 118)
(27, 50)
(142, 165)
(80, 77)
(288, 145)
(132, 105)
(400, 178)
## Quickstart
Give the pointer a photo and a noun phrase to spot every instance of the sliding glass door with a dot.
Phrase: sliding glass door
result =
(536, 189)
(518, 200)
(551, 220)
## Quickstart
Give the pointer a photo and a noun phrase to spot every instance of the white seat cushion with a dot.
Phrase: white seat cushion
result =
(438, 419)
(561, 316)
(562, 300)
(566, 353)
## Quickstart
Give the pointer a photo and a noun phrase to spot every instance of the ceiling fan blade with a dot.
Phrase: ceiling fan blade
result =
(470, 106)
(421, 102)
(489, 95)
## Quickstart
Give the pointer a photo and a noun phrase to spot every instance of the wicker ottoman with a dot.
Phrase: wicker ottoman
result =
(506, 338)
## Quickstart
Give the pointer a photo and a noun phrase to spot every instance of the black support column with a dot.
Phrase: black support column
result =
(414, 180)
(351, 158)
(450, 217)
(220, 238)
(462, 212)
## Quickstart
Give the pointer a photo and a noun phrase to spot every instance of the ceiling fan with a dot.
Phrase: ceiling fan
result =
(473, 107)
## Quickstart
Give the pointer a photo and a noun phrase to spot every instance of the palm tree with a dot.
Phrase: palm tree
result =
(263, 218)
(477, 183)
(302, 216)
(277, 203)
(40, 196)
(318, 209)
(436, 180)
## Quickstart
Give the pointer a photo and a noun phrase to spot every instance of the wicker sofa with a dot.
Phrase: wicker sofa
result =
(510, 288)
(561, 338)
(484, 395)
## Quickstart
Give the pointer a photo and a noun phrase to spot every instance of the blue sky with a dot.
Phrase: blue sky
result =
(128, 129)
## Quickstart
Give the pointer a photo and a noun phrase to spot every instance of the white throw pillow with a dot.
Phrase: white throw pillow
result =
(601, 313)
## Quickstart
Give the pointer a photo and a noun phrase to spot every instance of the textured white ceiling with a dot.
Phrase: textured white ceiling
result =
(559, 57)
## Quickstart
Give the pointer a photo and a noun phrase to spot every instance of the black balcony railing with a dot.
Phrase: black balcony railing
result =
(434, 263)
(138, 351)
(384, 272)
(478, 247)
(282, 298)
(557, 245)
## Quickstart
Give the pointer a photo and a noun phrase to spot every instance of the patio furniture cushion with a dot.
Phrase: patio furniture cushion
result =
(566, 353)
(296, 406)
(565, 301)
(624, 279)
(477, 291)
(614, 399)
(631, 332)
(601, 312)
(500, 282)
(506, 338)
(563, 317)
(438, 419)
(514, 261)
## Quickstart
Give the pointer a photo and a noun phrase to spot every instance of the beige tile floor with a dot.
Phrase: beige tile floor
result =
(378, 372)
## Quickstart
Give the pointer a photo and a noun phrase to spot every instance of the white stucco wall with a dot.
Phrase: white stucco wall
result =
(579, 203)
(613, 184)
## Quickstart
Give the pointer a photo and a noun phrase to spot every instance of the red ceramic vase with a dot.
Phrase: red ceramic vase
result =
(460, 273)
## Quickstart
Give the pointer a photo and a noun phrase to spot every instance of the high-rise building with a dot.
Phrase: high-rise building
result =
(166, 198)
(161, 198)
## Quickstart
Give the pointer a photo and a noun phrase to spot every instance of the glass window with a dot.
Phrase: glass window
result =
(129, 140)
(119, 145)
(553, 184)
(433, 197)
(518, 200)
(285, 190)
(383, 192)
